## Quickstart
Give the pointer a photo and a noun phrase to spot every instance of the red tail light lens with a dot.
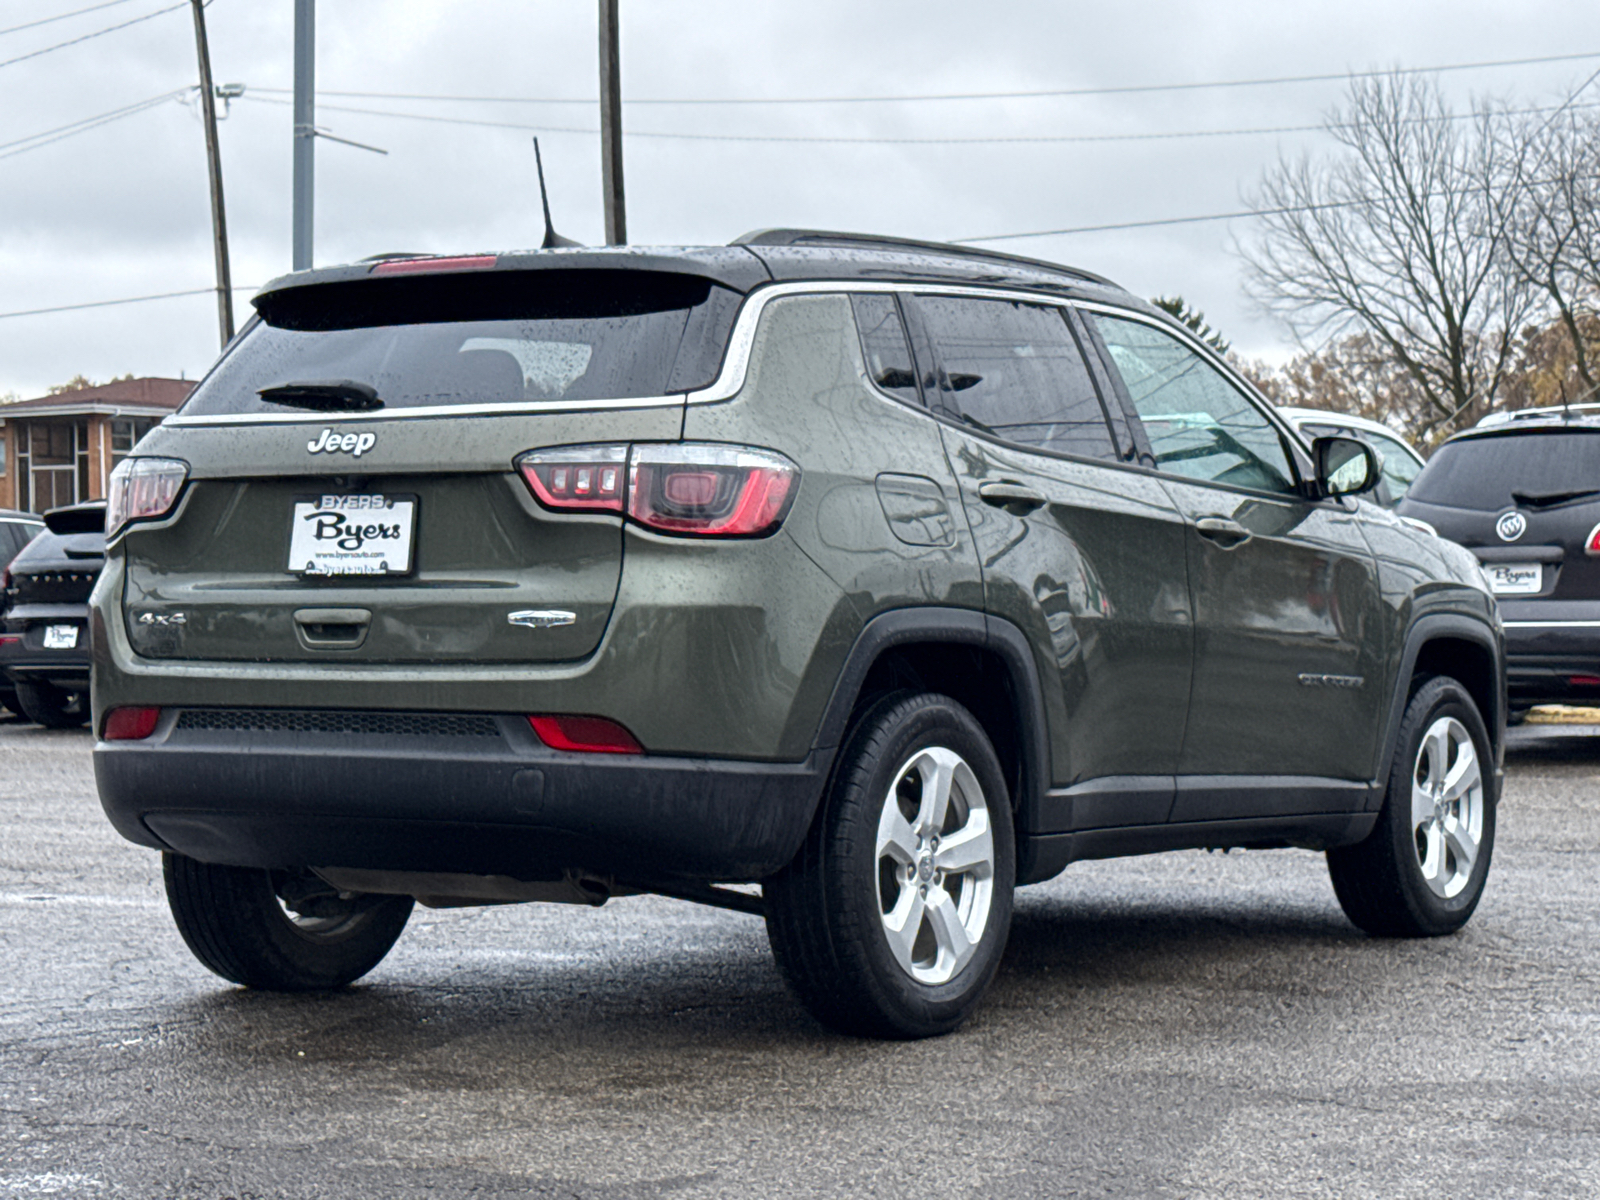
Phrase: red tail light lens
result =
(694, 488)
(709, 490)
(408, 266)
(142, 489)
(1592, 546)
(591, 735)
(577, 477)
(131, 724)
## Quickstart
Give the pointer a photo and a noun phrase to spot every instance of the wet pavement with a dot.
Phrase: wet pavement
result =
(1185, 1025)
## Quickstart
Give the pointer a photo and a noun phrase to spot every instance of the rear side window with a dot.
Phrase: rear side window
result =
(500, 336)
(1015, 370)
(883, 342)
(1199, 424)
(1528, 469)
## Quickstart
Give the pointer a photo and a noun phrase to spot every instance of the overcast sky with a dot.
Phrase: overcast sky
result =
(122, 210)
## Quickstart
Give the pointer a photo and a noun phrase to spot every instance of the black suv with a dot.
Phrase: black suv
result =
(1522, 492)
(44, 639)
(885, 576)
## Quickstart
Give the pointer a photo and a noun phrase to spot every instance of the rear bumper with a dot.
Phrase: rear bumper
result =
(494, 801)
(1552, 651)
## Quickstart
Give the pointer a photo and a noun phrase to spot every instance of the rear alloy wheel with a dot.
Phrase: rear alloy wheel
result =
(279, 931)
(892, 919)
(54, 708)
(1421, 871)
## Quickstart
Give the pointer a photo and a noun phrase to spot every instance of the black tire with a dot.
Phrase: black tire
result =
(1381, 882)
(53, 707)
(825, 919)
(235, 923)
(9, 701)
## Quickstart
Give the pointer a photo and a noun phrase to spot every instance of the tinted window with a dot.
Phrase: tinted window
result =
(1489, 473)
(1015, 370)
(1398, 467)
(883, 341)
(482, 338)
(1199, 424)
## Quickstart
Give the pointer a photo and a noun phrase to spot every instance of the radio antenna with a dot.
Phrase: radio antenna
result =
(551, 237)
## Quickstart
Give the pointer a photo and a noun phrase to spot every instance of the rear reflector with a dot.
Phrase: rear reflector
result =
(131, 724)
(1584, 680)
(408, 266)
(592, 735)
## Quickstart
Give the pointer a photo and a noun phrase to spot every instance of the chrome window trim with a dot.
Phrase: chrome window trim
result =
(730, 379)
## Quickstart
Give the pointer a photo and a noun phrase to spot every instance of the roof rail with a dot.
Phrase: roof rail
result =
(873, 241)
(1551, 412)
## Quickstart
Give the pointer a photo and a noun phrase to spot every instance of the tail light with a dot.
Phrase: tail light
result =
(593, 735)
(691, 488)
(130, 724)
(1592, 546)
(577, 477)
(142, 489)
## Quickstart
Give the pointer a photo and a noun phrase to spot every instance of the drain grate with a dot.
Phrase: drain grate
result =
(295, 720)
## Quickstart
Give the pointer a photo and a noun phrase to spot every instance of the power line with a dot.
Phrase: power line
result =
(97, 33)
(1025, 95)
(35, 312)
(46, 137)
(62, 16)
(1022, 139)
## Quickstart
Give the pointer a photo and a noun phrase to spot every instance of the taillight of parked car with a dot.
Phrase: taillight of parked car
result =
(142, 489)
(130, 724)
(695, 489)
(577, 478)
(1592, 546)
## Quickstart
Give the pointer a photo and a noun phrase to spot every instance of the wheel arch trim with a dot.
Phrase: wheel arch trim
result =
(1435, 627)
(952, 626)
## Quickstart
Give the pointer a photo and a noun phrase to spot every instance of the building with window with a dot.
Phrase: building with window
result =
(60, 449)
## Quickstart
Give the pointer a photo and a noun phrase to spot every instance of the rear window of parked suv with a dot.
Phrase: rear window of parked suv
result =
(506, 336)
(1491, 473)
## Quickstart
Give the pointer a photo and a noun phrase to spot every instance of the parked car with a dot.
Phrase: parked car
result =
(44, 637)
(1398, 462)
(885, 575)
(17, 529)
(1521, 491)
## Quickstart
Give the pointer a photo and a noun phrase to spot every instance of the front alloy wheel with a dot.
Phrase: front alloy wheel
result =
(892, 918)
(1421, 870)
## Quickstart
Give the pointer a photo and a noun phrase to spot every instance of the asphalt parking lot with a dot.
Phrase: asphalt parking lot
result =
(1186, 1025)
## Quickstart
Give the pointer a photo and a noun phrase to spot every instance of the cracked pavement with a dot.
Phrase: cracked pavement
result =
(1184, 1025)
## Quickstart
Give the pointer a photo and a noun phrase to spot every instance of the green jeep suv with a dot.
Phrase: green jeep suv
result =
(886, 576)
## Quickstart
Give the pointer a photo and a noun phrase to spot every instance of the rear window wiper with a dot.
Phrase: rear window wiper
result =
(1552, 499)
(334, 395)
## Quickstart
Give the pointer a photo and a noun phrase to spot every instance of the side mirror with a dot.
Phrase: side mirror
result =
(1345, 466)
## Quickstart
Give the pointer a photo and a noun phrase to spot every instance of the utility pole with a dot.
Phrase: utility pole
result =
(219, 219)
(305, 128)
(611, 125)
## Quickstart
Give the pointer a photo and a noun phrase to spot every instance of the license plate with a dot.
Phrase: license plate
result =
(60, 637)
(1515, 579)
(352, 535)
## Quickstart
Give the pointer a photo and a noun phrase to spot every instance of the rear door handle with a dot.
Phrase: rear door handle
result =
(1015, 498)
(1223, 532)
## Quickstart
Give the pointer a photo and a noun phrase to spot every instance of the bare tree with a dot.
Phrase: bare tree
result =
(1397, 237)
(1549, 205)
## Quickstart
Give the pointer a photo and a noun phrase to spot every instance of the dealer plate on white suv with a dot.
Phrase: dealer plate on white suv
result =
(1515, 579)
(352, 535)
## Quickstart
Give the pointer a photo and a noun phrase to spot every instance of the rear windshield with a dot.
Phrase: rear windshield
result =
(1484, 472)
(495, 337)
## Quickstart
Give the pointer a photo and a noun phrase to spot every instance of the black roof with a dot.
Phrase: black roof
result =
(760, 257)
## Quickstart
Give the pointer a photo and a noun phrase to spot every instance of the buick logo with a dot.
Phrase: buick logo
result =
(1511, 526)
(354, 444)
